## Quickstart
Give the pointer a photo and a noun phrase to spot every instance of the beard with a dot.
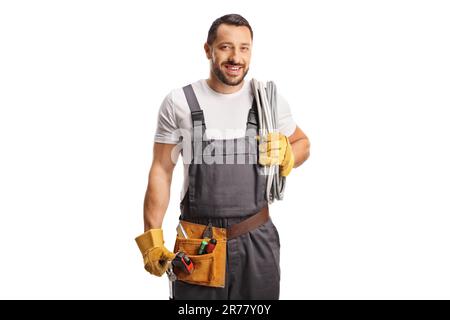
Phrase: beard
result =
(227, 80)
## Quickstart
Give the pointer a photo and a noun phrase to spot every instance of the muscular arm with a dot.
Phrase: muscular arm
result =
(300, 146)
(158, 189)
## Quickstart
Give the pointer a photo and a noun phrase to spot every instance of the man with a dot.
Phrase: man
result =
(229, 199)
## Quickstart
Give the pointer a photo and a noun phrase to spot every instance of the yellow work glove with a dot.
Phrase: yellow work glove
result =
(275, 149)
(156, 256)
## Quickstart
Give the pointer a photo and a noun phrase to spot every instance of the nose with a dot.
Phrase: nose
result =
(235, 57)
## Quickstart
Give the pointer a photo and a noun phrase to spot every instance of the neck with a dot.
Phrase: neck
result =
(221, 87)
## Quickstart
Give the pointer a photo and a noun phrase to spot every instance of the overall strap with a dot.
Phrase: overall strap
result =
(252, 120)
(198, 122)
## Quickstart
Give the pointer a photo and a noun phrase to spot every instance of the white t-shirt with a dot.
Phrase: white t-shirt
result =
(225, 116)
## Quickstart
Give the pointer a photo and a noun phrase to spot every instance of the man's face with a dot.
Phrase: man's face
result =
(230, 53)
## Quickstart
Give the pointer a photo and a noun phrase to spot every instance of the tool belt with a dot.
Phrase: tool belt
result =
(209, 269)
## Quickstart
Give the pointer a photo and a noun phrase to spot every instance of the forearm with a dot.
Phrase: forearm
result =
(156, 199)
(300, 148)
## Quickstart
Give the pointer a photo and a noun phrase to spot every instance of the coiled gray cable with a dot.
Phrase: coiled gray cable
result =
(266, 101)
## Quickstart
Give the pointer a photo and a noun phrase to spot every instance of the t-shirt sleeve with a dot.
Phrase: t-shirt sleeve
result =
(286, 123)
(166, 128)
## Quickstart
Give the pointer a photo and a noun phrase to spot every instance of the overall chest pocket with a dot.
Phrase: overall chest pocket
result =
(229, 180)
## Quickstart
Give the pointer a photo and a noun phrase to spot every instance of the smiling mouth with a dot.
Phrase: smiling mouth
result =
(233, 69)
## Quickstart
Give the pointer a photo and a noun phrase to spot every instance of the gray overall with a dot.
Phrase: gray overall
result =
(226, 186)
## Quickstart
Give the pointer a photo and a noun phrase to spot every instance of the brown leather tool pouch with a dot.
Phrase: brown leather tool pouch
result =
(209, 268)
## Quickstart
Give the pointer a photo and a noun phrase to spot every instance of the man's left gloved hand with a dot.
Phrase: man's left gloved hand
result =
(275, 149)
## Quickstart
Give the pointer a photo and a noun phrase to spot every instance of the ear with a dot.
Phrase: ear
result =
(207, 50)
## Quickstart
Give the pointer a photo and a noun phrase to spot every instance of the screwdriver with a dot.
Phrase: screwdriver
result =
(202, 248)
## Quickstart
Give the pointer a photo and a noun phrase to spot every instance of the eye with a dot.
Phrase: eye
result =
(244, 48)
(225, 47)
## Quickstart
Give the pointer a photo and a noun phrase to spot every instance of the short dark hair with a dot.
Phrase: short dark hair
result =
(231, 19)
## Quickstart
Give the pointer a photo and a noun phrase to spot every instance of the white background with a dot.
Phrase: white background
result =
(366, 217)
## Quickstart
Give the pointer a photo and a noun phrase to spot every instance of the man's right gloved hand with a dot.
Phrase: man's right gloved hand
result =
(156, 256)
